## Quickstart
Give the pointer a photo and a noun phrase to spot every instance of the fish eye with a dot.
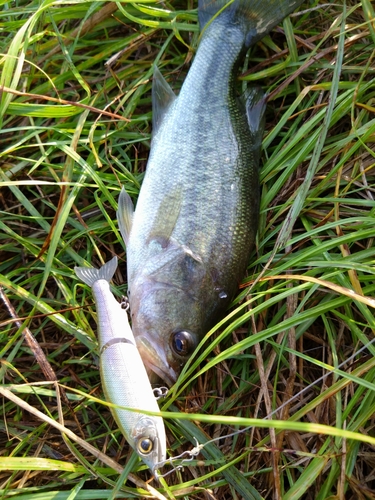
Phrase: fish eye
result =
(145, 446)
(182, 343)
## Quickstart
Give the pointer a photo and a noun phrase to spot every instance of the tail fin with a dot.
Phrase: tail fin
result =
(89, 274)
(257, 16)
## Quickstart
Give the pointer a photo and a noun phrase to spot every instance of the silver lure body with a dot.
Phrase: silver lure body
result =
(124, 378)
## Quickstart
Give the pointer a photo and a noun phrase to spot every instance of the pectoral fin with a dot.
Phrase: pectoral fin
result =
(162, 98)
(124, 214)
(255, 106)
(167, 216)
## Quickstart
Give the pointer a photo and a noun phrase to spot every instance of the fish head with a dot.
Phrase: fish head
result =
(167, 326)
(148, 440)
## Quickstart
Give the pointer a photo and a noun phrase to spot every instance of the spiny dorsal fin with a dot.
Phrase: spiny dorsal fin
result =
(90, 275)
(125, 214)
(162, 97)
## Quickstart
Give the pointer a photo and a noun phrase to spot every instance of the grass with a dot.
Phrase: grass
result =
(292, 365)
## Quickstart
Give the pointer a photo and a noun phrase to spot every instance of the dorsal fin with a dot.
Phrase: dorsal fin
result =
(162, 97)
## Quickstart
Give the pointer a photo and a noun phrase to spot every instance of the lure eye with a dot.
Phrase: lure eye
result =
(145, 446)
(182, 343)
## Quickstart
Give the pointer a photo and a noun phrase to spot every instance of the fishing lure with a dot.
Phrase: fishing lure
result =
(124, 378)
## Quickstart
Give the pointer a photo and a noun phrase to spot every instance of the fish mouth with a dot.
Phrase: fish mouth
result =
(155, 360)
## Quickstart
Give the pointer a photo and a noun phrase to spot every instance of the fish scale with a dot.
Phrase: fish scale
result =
(189, 240)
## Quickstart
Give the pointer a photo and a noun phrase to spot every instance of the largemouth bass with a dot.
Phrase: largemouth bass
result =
(123, 375)
(189, 240)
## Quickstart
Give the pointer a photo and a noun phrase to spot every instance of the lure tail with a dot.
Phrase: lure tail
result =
(257, 17)
(90, 275)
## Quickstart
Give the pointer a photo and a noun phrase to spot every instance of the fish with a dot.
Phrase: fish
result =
(123, 375)
(190, 237)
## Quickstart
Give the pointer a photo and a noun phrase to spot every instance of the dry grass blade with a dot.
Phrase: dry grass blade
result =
(340, 290)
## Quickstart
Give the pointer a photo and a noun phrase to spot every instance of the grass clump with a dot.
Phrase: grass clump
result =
(293, 362)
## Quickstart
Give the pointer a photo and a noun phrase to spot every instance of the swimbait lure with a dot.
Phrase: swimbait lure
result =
(123, 374)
